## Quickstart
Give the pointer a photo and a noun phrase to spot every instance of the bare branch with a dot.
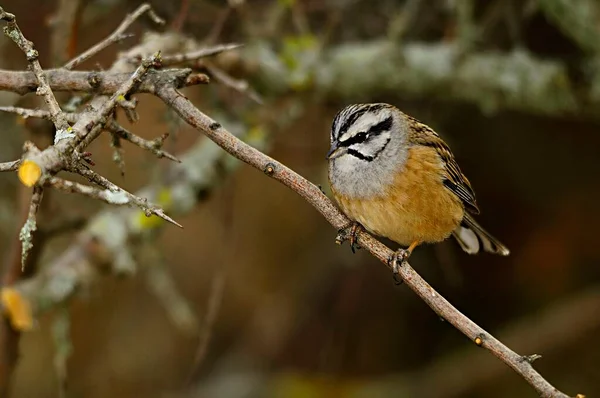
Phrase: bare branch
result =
(120, 196)
(105, 195)
(104, 83)
(82, 127)
(151, 146)
(315, 197)
(43, 89)
(116, 36)
(10, 166)
(26, 113)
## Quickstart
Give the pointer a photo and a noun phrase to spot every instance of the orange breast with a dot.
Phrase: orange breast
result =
(416, 207)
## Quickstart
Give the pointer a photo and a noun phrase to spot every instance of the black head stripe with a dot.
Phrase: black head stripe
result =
(368, 158)
(384, 125)
(351, 119)
(359, 155)
(349, 115)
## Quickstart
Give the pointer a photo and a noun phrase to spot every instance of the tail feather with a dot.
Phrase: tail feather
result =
(471, 237)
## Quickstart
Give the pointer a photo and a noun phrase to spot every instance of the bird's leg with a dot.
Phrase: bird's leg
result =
(349, 233)
(398, 258)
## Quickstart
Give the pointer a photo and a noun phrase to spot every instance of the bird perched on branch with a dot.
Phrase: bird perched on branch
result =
(397, 178)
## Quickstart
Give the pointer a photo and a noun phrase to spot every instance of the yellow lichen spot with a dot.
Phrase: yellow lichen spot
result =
(17, 308)
(146, 222)
(164, 199)
(478, 341)
(121, 98)
(29, 173)
(256, 134)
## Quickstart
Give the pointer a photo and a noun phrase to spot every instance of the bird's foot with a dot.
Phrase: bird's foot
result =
(396, 260)
(350, 233)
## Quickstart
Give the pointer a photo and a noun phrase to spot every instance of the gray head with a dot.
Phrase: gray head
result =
(368, 145)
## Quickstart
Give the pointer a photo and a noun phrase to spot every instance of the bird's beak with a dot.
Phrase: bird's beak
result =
(334, 151)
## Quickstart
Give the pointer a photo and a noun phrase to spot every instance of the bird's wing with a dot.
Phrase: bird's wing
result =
(455, 180)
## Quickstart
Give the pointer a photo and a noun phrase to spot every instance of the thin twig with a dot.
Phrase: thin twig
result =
(176, 59)
(151, 146)
(12, 30)
(121, 196)
(316, 198)
(116, 36)
(240, 86)
(215, 298)
(82, 127)
(26, 113)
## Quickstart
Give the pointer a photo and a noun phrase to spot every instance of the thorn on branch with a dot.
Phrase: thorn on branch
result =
(117, 194)
(153, 146)
(530, 358)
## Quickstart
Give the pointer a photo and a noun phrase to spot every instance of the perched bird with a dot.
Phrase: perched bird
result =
(397, 178)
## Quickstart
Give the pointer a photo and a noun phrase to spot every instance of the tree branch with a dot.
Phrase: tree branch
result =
(116, 36)
(514, 80)
(103, 83)
(316, 198)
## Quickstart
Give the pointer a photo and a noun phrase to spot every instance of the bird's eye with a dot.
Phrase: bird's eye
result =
(361, 137)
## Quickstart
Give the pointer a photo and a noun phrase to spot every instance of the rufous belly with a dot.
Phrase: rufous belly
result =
(416, 207)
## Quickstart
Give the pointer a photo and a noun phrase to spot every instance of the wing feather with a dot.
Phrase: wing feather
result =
(456, 181)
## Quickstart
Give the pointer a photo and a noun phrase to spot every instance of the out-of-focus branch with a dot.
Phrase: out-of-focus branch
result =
(313, 195)
(577, 20)
(64, 29)
(515, 80)
(107, 235)
(554, 328)
(116, 36)
(176, 59)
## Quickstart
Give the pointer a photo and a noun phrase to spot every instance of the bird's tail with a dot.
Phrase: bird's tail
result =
(471, 237)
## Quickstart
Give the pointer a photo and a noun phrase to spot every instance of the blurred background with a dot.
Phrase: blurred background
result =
(253, 298)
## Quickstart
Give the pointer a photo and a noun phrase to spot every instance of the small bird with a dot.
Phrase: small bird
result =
(396, 177)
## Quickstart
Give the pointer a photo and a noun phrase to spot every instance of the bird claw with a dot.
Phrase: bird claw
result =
(349, 233)
(396, 260)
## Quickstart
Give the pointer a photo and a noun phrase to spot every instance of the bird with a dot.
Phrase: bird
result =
(396, 177)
